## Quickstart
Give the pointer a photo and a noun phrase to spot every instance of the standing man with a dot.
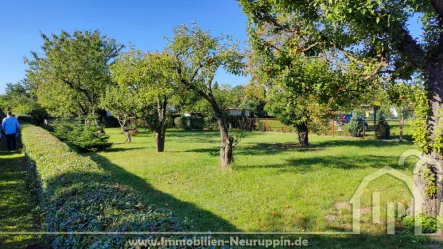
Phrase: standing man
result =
(10, 127)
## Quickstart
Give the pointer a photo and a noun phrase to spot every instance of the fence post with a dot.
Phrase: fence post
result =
(267, 125)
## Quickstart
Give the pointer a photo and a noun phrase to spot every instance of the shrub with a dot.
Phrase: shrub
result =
(382, 129)
(355, 126)
(77, 195)
(62, 129)
(190, 123)
(25, 119)
(86, 138)
(429, 224)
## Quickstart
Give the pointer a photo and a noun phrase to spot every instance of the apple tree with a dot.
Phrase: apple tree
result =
(197, 55)
(150, 80)
(369, 42)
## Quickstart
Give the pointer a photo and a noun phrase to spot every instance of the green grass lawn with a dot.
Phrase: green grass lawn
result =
(273, 185)
(18, 203)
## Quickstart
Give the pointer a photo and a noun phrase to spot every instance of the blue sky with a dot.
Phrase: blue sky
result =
(144, 23)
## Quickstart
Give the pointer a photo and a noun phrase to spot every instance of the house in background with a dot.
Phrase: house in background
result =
(370, 111)
(236, 112)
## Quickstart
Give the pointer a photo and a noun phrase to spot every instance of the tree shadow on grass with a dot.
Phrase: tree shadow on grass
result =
(277, 148)
(17, 200)
(199, 219)
(124, 149)
(360, 143)
(259, 149)
(306, 165)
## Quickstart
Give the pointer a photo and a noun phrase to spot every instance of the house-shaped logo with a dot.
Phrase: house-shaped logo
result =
(416, 206)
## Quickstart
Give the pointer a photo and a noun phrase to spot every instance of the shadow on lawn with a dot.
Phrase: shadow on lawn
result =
(360, 143)
(200, 220)
(304, 165)
(259, 149)
(124, 149)
(276, 148)
(18, 201)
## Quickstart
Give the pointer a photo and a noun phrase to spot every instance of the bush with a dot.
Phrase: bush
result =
(77, 195)
(382, 129)
(190, 123)
(86, 138)
(429, 224)
(355, 126)
(25, 119)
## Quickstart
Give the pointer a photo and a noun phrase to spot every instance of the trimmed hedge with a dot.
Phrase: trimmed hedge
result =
(77, 195)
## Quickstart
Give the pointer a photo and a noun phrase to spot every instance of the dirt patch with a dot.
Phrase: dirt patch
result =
(365, 210)
(342, 205)
(331, 218)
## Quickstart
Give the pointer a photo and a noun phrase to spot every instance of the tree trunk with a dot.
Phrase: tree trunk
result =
(402, 122)
(430, 176)
(160, 127)
(160, 140)
(303, 134)
(127, 135)
(226, 155)
(227, 142)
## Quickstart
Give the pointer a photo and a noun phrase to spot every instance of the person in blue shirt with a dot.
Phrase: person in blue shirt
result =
(11, 128)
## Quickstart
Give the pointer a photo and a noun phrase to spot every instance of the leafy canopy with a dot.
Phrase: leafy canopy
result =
(73, 70)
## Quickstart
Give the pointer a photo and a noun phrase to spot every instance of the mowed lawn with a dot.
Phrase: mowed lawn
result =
(18, 205)
(274, 185)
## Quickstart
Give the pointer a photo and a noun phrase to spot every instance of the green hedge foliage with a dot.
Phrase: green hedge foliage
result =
(77, 195)
(190, 123)
(355, 125)
(85, 138)
(382, 129)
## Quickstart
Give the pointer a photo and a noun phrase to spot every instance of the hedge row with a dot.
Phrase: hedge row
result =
(77, 195)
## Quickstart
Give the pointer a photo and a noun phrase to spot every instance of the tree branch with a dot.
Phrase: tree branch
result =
(438, 6)
(409, 47)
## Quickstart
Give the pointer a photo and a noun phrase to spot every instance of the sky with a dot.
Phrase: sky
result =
(143, 23)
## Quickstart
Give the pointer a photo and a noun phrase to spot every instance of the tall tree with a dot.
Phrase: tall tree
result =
(300, 89)
(149, 77)
(367, 40)
(73, 70)
(196, 57)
